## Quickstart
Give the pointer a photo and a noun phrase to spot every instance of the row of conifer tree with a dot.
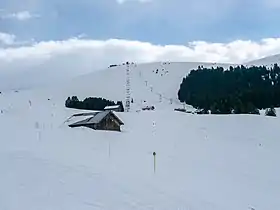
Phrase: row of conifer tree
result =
(238, 89)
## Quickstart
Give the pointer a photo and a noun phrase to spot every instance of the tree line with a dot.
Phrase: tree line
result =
(238, 89)
(91, 103)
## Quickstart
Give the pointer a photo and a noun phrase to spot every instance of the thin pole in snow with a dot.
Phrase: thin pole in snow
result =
(154, 154)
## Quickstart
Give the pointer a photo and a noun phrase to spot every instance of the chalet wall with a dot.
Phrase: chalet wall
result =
(109, 123)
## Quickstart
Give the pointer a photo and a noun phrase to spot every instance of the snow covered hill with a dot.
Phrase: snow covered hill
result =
(266, 61)
(151, 83)
(202, 162)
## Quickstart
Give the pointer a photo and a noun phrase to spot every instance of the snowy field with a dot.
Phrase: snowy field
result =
(202, 163)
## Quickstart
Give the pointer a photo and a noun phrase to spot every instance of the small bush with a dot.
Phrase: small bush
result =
(202, 111)
(270, 112)
(255, 111)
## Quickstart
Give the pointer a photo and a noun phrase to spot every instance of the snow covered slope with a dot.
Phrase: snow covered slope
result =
(202, 162)
(156, 83)
(266, 61)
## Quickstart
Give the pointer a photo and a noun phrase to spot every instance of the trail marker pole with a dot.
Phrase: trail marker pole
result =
(37, 126)
(154, 154)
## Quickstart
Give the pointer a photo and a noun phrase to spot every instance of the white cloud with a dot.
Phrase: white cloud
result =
(79, 56)
(7, 39)
(118, 50)
(21, 16)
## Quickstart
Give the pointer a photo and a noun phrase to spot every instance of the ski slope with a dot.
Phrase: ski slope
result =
(202, 163)
(266, 61)
(151, 83)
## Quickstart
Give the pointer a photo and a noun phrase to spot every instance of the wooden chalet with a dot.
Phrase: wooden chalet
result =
(104, 120)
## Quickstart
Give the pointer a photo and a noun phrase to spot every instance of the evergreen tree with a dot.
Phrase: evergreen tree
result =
(68, 102)
(91, 103)
(121, 105)
(238, 89)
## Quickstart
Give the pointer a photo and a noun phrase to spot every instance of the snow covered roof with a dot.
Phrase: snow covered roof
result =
(85, 114)
(80, 117)
(95, 119)
(112, 107)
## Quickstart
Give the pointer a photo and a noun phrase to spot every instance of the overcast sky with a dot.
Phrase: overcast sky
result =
(84, 35)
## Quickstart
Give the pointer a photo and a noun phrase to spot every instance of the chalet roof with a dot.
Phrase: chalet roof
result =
(80, 117)
(95, 118)
(85, 114)
(112, 107)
